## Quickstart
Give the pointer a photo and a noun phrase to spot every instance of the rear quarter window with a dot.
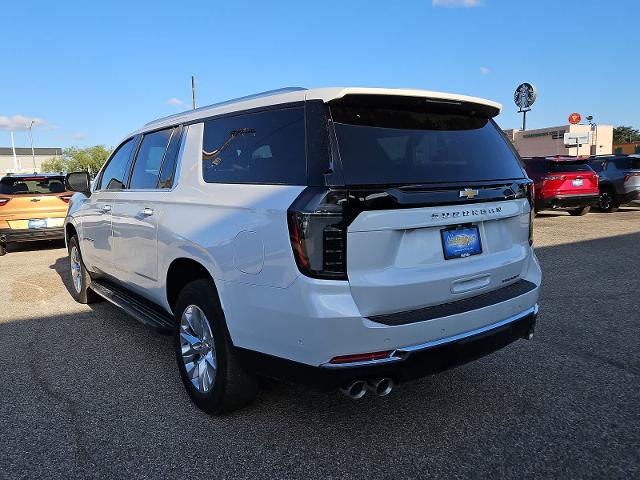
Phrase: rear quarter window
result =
(263, 147)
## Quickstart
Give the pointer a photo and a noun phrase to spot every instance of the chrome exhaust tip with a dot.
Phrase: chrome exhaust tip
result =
(355, 390)
(380, 386)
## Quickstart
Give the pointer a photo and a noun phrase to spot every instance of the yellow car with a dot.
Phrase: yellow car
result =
(32, 207)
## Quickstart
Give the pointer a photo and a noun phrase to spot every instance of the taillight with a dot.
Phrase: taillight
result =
(531, 197)
(629, 175)
(66, 198)
(4, 201)
(318, 233)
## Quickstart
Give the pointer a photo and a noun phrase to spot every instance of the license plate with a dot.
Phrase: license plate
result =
(38, 223)
(461, 242)
(578, 182)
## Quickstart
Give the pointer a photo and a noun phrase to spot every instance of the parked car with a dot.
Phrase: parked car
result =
(619, 180)
(32, 207)
(346, 238)
(563, 183)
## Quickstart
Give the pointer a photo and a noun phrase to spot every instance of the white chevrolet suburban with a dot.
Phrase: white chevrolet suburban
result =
(346, 238)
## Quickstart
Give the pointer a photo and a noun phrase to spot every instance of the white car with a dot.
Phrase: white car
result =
(345, 238)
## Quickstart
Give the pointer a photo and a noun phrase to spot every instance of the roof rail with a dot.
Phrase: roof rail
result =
(267, 93)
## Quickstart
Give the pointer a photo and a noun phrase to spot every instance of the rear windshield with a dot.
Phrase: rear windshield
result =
(405, 146)
(31, 185)
(559, 167)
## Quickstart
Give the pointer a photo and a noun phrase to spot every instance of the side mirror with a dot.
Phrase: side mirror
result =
(78, 182)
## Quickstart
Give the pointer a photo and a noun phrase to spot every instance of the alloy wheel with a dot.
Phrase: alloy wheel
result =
(198, 349)
(76, 269)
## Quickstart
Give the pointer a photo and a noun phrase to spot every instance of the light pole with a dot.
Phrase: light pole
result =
(594, 134)
(33, 153)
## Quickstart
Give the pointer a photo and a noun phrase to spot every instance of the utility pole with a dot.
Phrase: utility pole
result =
(193, 92)
(16, 166)
(33, 153)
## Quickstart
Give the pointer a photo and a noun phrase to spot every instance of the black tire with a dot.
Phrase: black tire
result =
(608, 202)
(579, 212)
(232, 387)
(80, 290)
(3, 249)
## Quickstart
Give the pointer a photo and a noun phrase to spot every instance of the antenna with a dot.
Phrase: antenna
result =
(193, 92)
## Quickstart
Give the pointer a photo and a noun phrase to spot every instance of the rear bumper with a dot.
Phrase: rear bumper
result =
(404, 363)
(568, 201)
(630, 197)
(13, 235)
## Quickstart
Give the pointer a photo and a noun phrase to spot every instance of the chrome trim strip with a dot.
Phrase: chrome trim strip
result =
(401, 353)
(365, 363)
(423, 346)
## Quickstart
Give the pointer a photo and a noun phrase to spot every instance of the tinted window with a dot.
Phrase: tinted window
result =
(536, 166)
(265, 147)
(113, 176)
(398, 146)
(597, 166)
(622, 163)
(167, 174)
(146, 169)
(31, 185)
(559, 167)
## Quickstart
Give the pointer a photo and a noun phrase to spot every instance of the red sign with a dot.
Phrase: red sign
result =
(574, 118)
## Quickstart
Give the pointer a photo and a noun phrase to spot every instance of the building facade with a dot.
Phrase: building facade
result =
(626, 148)
(550, 141)
(24, 161)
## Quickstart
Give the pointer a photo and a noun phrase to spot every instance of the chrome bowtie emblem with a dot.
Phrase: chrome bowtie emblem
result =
(35, 199)
(468, 193)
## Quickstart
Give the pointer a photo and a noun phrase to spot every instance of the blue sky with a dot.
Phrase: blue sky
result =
(91, 72)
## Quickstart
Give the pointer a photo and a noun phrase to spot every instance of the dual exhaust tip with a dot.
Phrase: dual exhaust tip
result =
(358, 388)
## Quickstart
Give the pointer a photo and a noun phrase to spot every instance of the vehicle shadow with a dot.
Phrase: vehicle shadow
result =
(61, 266)
(111, 386)
(34, 246)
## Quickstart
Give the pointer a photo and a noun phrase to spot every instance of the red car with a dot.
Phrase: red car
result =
(567, 183)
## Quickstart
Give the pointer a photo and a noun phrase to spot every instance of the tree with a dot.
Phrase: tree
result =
(76, 159)
(624, 134)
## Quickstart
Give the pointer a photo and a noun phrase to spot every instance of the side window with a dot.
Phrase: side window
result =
(146, 168)
(168, 171)
(113, 175)
(622, 163)
(597, 166)
(264, 147)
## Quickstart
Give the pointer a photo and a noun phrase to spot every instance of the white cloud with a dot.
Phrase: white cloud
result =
(456, 3)
(79, 136)
(485, 70)
(18, 123)
(175, 101)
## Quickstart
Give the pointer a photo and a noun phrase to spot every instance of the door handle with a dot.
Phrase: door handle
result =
(106, 208)
(147, 212)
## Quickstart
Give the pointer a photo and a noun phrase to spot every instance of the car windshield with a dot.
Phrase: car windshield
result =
(31, 185)
(409, 146)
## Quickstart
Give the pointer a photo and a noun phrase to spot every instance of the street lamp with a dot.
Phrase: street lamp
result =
(33, 153)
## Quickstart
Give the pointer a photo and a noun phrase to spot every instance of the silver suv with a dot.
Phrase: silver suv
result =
(346, 238)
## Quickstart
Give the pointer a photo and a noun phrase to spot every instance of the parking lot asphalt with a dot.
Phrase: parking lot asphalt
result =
(87, 392)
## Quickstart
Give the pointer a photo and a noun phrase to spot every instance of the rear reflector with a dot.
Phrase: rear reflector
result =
(360, 357)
